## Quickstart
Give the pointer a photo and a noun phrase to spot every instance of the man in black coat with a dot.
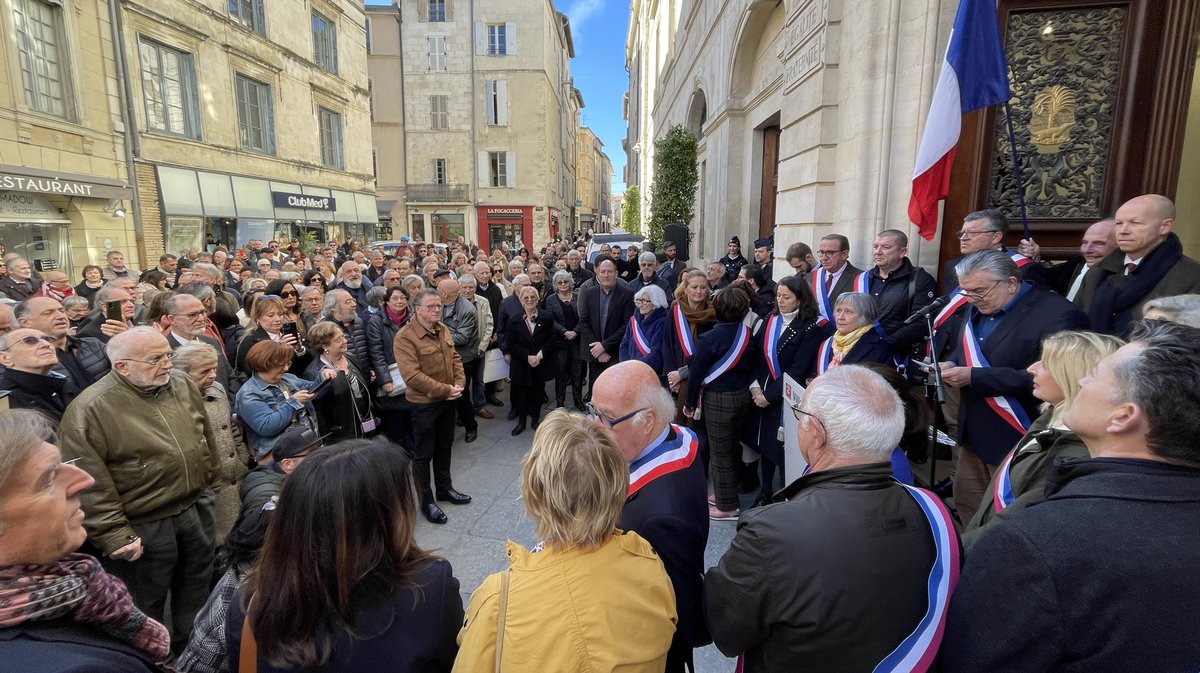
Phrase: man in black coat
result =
(1067, 278)
(1101, 575)
(899, 288)
(604, 310)
(492, 292)
(985, 230)
(836, 575)
(998, 337)
(667, 491)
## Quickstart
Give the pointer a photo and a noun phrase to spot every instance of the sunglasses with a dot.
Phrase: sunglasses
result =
(31, 341)
(285, 295)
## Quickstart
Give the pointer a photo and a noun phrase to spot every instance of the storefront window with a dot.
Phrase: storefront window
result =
(42, 244)
(448, 227)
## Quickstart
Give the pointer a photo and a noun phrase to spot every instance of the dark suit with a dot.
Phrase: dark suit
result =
(845, 283)
(1060, 277)
(224, 371)
(671, 512)
(620, 307)
(1015, 344)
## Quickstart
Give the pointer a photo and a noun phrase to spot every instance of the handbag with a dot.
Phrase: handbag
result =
(248, 652)
(398, 385)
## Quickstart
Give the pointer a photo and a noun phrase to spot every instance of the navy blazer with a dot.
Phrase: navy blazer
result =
(671, 512)
(1015, 344)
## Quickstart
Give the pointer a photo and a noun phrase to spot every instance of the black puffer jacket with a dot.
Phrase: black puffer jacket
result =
(89, 356)
(381, 334)
(356, 338)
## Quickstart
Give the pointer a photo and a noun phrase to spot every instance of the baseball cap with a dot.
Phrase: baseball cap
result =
(295, 441)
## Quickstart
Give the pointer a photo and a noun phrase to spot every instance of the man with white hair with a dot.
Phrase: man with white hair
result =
(667, 490)
(350, 278)
(142, 432)
(19, 284)
(648, 274)
(842, 567)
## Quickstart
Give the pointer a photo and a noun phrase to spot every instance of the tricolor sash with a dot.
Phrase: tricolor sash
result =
(824, 305)
(687, 342)
(773, 330)
(639, 337)
(1004, 492)
(957, 301)
(917, 651)
(732, 356)
(862, 282)
(1020, 260)
(1008, 408)
(670, 456)
(824, 356)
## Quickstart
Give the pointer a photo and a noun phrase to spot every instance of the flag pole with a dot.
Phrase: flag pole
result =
(1019, 182)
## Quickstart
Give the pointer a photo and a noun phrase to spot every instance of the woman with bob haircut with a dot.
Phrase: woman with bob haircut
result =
(340, 584)
(1020, 481)
(589, 597)
(858, 338)
(269, 314)
(643, 337)
(272, 400)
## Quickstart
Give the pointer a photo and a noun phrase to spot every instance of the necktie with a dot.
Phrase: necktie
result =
(1129, 268)
(828, 283)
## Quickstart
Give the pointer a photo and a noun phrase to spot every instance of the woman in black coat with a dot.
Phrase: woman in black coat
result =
(344, 412)
(859, 338)
(529, 335)
(787, 342)
(270, 316)
(392, 408)
(567, 363)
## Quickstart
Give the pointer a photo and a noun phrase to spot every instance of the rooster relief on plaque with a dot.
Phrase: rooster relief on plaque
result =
(1064, 66)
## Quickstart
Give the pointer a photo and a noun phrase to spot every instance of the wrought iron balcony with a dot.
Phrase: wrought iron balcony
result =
(437, 193)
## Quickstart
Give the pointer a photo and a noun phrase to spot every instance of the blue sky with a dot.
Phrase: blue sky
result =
(598, 28)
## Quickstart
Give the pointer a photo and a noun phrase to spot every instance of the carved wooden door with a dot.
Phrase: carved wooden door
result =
(770, 184)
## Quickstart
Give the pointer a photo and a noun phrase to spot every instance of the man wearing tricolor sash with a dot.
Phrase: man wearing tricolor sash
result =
(835, 274)
(848, 570)
(998, 337)
(985, 230)
(667, 488)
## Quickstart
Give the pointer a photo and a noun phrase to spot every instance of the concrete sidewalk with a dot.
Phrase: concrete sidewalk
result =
(489, 470)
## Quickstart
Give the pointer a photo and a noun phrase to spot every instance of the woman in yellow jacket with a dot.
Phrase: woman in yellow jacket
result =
(589, 597)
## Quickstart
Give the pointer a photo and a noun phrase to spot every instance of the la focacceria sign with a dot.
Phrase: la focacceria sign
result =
(289, 200)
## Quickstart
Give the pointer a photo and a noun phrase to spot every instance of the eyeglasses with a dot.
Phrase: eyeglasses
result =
(593, 414)
(155, 361)
(968, 234)
(828, 253)
(976, 296)
(31, 341)
(642, 300)
(191, 316)
(798, 412)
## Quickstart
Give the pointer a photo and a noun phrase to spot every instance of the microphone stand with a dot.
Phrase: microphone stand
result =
(936, 394)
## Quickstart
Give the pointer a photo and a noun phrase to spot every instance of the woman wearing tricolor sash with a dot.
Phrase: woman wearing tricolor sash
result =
(690, 316)
(858, 338)
(722, 370)
(1021, 478)
(643, 337)
(787, 342)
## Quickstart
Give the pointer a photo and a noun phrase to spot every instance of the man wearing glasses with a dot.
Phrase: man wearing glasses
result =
(985, 230)
(834, 273)
(667, 489)
(998, 337)
(186, 320)
(141, 431)
(29, 358)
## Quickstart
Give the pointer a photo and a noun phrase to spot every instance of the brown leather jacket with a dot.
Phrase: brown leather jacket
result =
(428, 362)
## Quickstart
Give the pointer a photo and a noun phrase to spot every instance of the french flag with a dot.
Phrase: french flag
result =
(974, 75)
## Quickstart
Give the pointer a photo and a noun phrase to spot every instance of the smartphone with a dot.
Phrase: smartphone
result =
(289, 327)
(321, 386)
(112, 311)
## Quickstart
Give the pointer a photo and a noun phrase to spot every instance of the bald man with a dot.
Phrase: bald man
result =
(666, 503)
(1148, 263)
(1067, 278)
(142, 432)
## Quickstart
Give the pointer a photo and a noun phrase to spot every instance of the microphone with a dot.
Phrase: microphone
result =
(934, 306)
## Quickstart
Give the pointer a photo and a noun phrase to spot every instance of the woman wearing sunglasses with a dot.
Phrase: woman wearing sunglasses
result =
(292, 308)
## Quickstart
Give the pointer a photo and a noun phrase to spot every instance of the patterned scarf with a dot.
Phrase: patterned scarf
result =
(77, 586)
(842, 343)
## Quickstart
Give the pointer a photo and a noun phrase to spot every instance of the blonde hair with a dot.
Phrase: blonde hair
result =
(1070, 356)
(574, 481)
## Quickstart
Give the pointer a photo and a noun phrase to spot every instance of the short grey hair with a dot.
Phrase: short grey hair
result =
(658, 400)
(254, 283)
(376, 296)
(190, 356)
(562, 275)
(520, 279)
(655, 293)
(862, 414)
(574, 254)
(309, 289)
(121, 346)
(418, 299)
(1181, 308)
(209, 270)
(15, 261)
(996, 264)
(105, 293)
(73, 301)
(647, 257)
(331, 300)
(486, 266)
(863, 303)
(411, 277)
(994, 218)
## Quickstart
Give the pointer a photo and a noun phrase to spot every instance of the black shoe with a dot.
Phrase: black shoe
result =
(472, 434)
(512, 414)
(519, 429)
(495, 402)
(453, 497)
(433, 513)
(763, 499)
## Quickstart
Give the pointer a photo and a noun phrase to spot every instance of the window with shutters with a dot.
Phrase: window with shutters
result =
(330, 124)
(437, 11)
(496, 92)
(169, 89)
(498, 166)
(249, 13)
(497, 39)
(437, 53)
(256, 116)
(439, 172)
(324, 34)
(439, 112)
(42, 53)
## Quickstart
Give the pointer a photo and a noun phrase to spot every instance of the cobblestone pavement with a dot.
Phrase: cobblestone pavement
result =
(489, 470)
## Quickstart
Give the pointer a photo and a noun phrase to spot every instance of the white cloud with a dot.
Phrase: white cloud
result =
(581, 11)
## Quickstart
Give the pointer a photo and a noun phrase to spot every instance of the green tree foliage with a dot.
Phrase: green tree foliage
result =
(675, 180)
(631, 211)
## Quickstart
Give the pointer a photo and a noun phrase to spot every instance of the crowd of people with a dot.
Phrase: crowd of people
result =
(220, 462)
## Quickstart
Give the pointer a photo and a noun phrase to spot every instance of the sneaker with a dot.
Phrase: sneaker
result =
(715, 514)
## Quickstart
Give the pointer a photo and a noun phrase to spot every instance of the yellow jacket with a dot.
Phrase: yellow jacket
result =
(607, 609)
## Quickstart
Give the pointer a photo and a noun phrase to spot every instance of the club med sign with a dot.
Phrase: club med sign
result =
(288, 200)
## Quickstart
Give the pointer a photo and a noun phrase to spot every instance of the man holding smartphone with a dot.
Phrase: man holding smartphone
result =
(114, 314)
